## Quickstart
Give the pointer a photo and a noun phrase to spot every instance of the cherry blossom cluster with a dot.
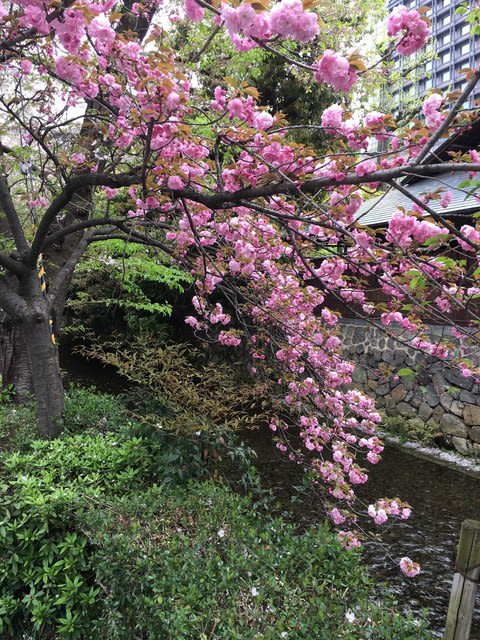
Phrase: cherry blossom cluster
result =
(431, 106)
(404, 230)
(413, 29)
(287, 19)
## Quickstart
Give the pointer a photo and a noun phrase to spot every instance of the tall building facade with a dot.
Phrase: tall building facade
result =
(454, 49)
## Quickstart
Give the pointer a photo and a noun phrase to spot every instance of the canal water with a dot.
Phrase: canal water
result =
(441, 500)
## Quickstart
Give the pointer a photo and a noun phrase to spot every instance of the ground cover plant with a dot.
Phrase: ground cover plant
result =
(97, 540)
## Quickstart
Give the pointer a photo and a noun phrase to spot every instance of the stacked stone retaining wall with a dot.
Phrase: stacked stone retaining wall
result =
(435, 399)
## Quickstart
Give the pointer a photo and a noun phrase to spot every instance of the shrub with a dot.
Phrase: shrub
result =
(86, 408)
(199, 393)
(92, 549)
(126, 284)
(17, 425)
(197, 562)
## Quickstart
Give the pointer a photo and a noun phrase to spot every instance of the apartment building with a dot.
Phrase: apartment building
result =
(454, 49)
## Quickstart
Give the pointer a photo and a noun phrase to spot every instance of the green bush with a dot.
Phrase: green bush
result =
(17, 425)
(86, 408)
(107, 533)
(198, 562)
(47, 580)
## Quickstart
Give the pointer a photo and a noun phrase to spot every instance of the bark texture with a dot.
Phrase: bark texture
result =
(14, 363)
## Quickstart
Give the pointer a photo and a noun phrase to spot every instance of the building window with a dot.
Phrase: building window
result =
(444, 77)
(465, 30)
(445, 21)
(465, 49)
(445, 57)
(445, 39)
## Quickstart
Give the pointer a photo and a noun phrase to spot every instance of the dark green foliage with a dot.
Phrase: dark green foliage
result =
(128, 284)
(105, 535)
(223, 571)
(85, 408)
(286, 89)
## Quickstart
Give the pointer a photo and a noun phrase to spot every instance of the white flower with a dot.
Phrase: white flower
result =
(221, 533)
(254, 591)
(350, 616)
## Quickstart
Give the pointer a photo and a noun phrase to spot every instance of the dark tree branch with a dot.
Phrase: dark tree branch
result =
(64, 276)
(77, 226)
(227, 199)
(6, 203)
(13, 304)
(64, 198)
(12, 265)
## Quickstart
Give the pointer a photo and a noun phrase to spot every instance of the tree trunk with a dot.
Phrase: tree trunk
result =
(14, 363)
(45, 371)
(28, 355)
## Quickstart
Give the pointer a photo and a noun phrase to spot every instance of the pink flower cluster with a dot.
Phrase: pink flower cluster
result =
(473, 235)
(336, 70)
(287, 19)
(403, 230)
(414, 29)
(193, 10)
(332, 117)
(365, 167)
(409, 568)
(430, 109)
(381, 511)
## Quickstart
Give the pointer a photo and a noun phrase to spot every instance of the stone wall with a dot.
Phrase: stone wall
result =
(435, 399)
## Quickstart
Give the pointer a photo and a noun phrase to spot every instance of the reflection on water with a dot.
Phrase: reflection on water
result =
(441, 500)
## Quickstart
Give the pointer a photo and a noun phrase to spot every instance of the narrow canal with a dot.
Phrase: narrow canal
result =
(441, 500)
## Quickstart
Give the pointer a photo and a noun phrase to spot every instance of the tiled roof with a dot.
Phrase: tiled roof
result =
(378, 211)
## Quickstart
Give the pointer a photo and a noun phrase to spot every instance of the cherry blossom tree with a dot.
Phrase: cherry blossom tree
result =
(115, 143)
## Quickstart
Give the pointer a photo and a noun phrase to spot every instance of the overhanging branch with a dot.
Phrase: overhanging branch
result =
(64, 198)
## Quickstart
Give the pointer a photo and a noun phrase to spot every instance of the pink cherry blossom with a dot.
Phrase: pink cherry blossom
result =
(365, 167)
(414, 30)
(473, 235)
(175, 182)
(336, 516)
(289, 20)
(430, 109)
(332, 116)
(193, 10)
(409, 568)
(335, 70)
(446, 199)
